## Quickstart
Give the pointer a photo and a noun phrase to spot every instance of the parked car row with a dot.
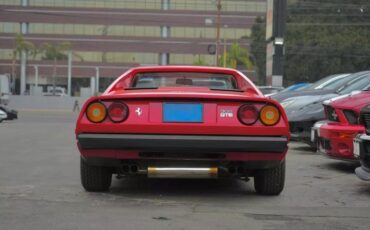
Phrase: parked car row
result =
(333, 117)
(305, 108)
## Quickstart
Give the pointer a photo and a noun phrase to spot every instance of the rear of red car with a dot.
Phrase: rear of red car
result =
(183, 123)
(336, 136)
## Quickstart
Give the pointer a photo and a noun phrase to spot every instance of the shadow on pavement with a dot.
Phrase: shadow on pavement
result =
(344, 167)
(141, 186)
(299, 146)
(364, 188)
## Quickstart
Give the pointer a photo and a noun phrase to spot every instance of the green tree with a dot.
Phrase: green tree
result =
(55, 52)
(326, 38)
(258, 49)
(322, 38)
(237, 56)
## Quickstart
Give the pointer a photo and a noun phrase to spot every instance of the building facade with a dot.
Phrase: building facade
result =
(108, 37)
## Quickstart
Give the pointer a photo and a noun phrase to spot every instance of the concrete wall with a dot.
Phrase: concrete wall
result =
(44, 102)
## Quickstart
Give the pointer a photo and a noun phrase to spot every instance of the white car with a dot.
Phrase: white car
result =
(59, 91)
(3, 115)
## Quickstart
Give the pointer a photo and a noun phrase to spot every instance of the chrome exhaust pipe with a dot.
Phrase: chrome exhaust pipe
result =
(157, 172)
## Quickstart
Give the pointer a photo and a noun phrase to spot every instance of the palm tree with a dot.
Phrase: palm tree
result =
(236, 56)
(20, 45)
(55, 52)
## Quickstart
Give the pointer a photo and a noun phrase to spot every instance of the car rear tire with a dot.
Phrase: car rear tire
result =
(95, 178)
(270, 181)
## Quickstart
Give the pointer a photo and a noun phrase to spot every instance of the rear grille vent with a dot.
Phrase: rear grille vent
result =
(365, 156)
(365, 117)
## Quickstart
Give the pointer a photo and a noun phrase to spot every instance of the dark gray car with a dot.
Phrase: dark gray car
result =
(304, 111)
(325, 85)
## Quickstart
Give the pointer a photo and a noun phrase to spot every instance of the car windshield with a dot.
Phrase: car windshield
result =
(356, 84)
(330, 82)
(319, 83)
(188, 79)
(337, 83)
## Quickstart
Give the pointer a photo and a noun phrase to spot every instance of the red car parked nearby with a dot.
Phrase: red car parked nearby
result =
(336, 136)
(183, 122)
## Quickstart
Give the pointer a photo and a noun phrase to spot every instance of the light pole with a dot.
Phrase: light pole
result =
(225, 26)
(164, 58)
(218, 23)
(23, 54)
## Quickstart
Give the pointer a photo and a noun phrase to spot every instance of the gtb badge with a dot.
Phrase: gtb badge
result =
(226, 113)
(139, 111)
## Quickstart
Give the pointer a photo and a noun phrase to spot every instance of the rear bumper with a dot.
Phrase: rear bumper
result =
(176, 143)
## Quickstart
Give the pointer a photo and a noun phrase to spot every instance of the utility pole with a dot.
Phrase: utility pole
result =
(218, 24)
(275, 31)
(23, 55)
(164, 58)
(225, 51)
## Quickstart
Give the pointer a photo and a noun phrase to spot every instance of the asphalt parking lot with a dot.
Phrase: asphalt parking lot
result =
(40, 189)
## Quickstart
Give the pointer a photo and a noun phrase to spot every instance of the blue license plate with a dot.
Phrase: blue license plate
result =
(182, 112)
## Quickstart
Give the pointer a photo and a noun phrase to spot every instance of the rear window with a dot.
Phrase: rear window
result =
(181, 79)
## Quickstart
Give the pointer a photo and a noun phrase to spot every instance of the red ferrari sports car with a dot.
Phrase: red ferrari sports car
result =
(183, 122)
(336, 136)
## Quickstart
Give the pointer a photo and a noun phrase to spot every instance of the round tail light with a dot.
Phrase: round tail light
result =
(269, 115)
(248, 114)
(118, 112)
(96, 112)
